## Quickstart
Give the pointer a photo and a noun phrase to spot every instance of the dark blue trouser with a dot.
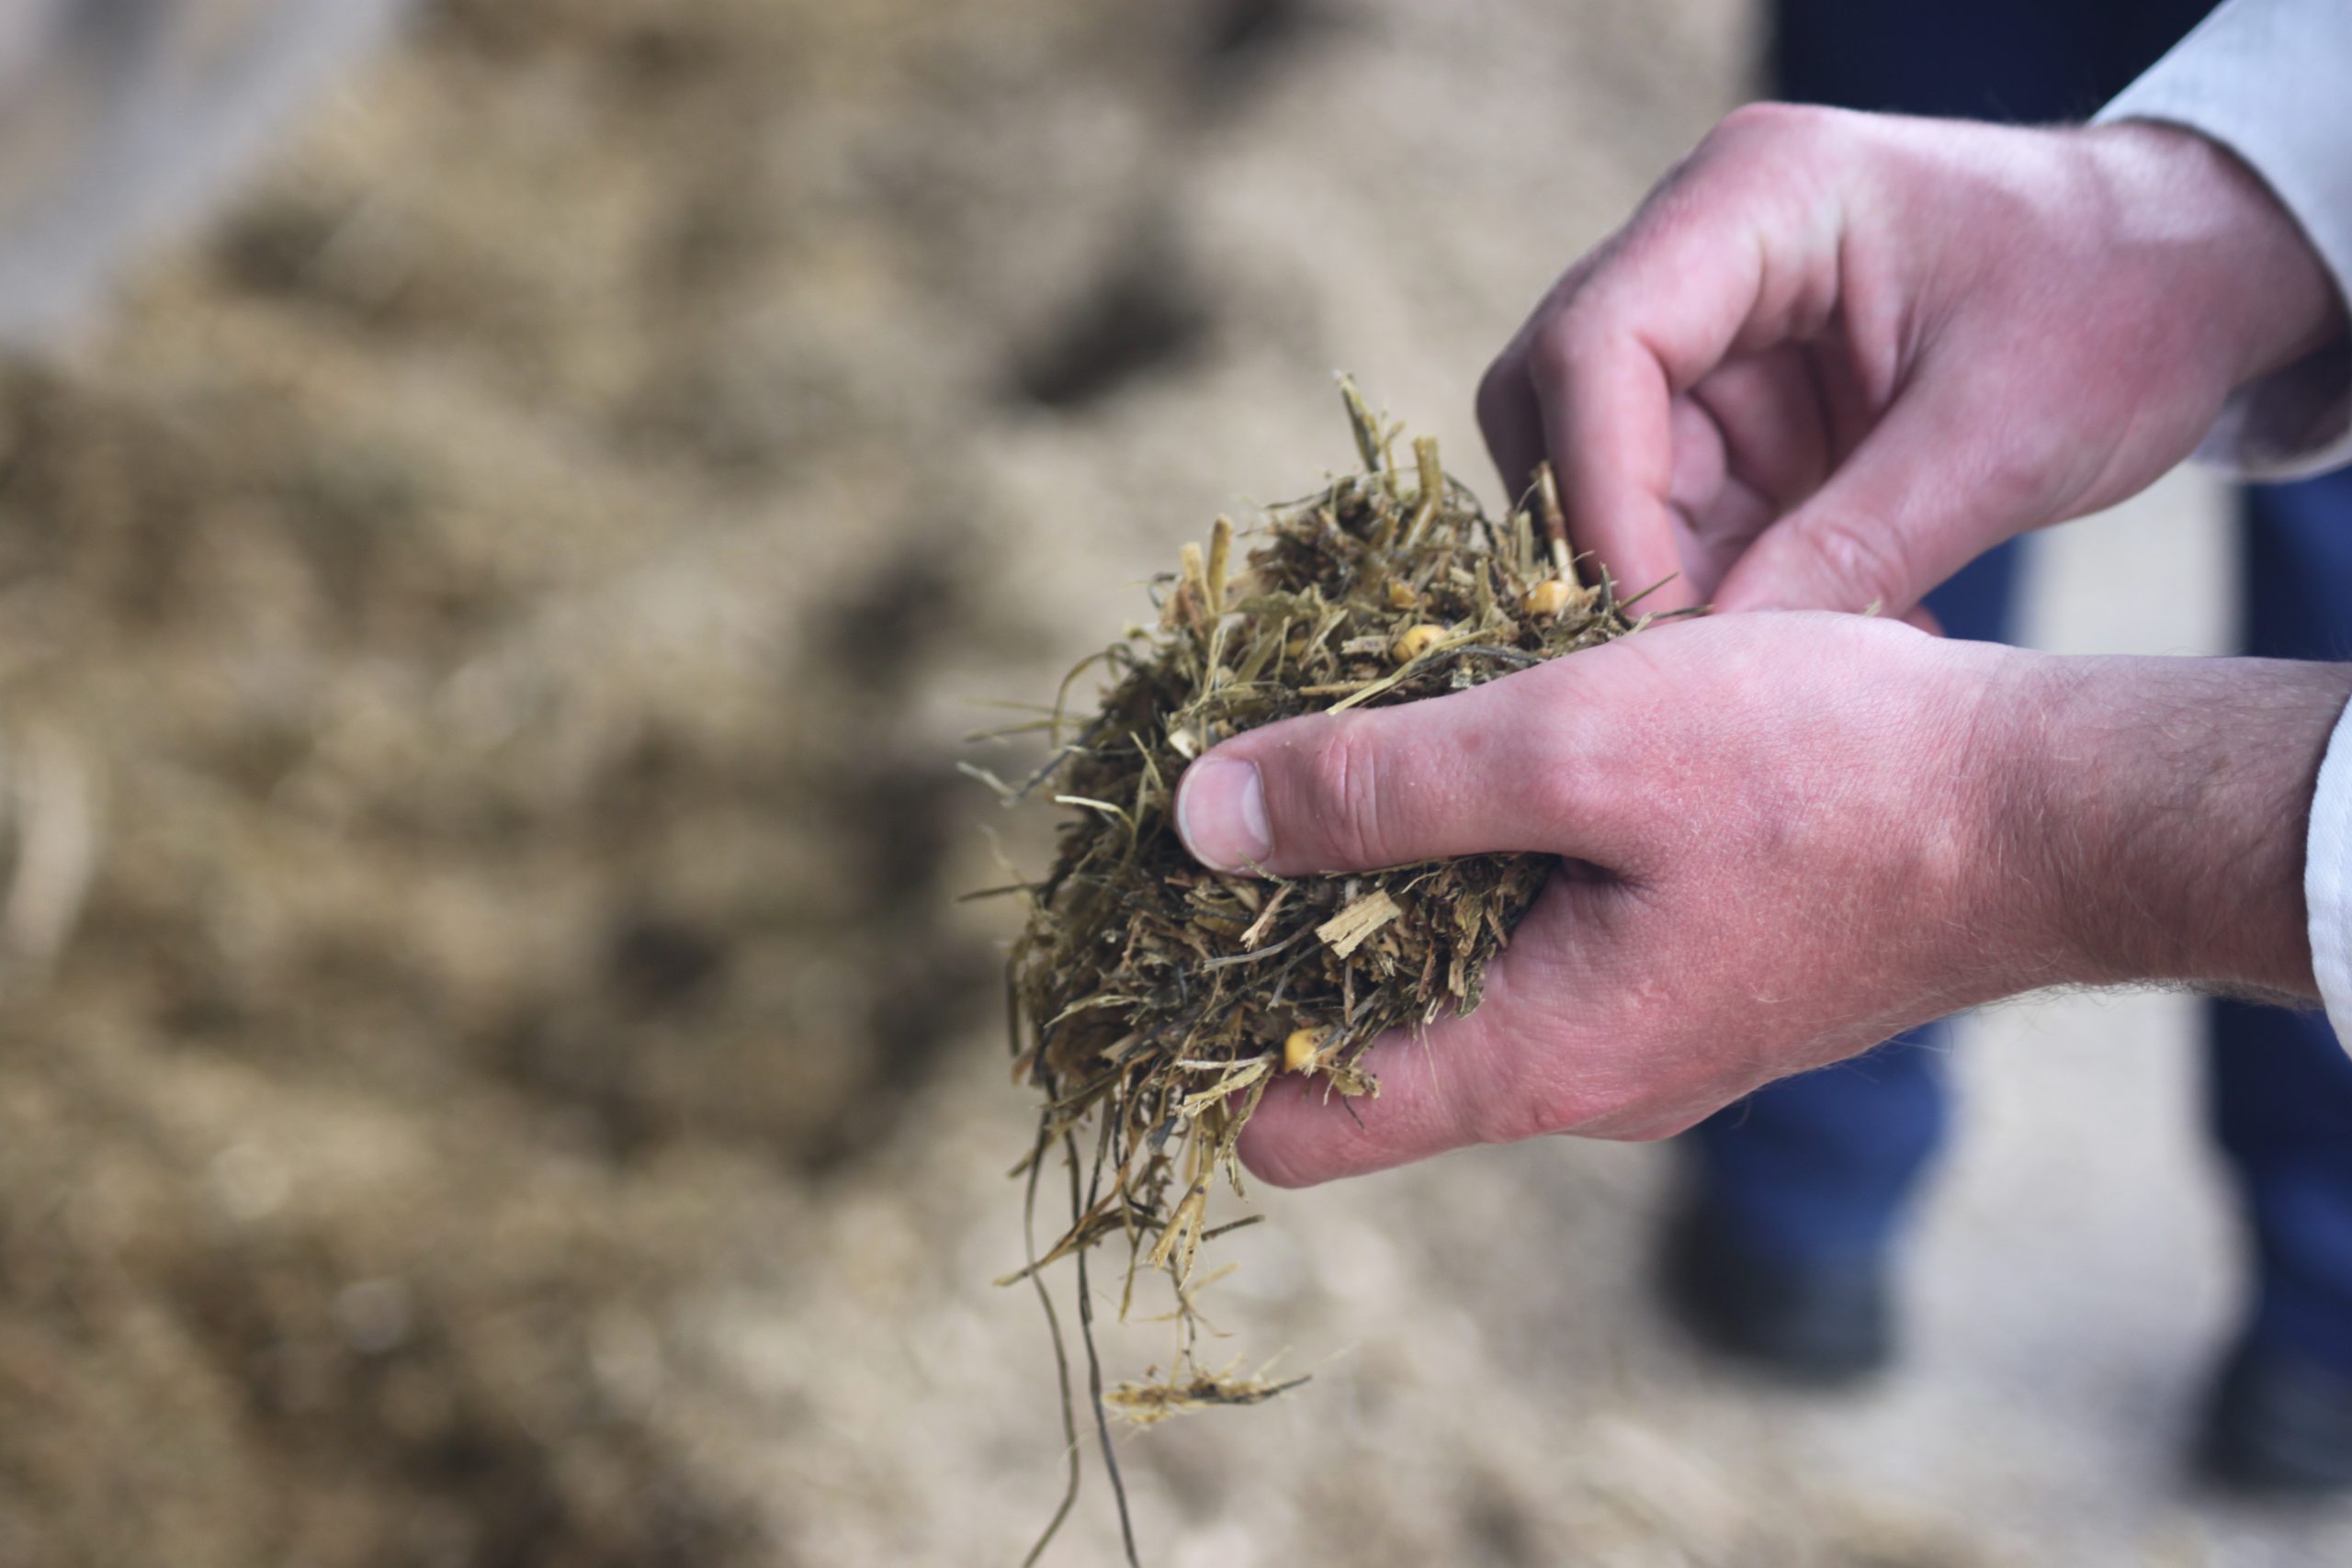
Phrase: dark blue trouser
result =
(1827, 1164)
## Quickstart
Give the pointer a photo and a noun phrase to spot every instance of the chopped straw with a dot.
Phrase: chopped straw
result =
(1154, 1003)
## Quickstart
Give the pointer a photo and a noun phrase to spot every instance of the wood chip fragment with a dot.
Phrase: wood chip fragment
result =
(1348, 930)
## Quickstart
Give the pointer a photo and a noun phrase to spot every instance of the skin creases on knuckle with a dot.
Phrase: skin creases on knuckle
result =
(1345, 800)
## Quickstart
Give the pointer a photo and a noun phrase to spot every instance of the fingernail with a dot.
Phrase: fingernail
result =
(1221, 814)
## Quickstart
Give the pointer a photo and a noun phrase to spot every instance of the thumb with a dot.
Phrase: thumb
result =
(1907, 509)
(1486, 770)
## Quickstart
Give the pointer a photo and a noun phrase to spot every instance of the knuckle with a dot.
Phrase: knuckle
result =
(1526, 1094)
(1344, 800)
(2025, 477)
(1566, 340)
(1278, 1163)
(1502, 392)
(1522, 1107)
(1767, 121)
(1558, 785)
(1866, 561)
(1552, 351)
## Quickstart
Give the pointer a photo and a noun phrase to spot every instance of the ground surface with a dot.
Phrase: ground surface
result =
(494, 616)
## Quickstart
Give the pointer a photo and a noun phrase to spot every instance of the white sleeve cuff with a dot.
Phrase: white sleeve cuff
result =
(2265, 79)
(2327, 879)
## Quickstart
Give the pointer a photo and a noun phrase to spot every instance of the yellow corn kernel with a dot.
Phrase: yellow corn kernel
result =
(1418, 641)
(1548, 597)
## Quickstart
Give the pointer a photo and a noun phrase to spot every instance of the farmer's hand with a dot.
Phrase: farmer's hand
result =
(1835, 356)
(1786, 837)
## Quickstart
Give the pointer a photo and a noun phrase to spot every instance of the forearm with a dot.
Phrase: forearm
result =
(2158, 817)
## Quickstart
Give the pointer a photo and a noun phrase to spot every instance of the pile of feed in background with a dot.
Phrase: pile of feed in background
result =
(1159, 1002)
(507, 888)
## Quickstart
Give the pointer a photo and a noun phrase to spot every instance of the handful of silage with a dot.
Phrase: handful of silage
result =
(1162, 1001)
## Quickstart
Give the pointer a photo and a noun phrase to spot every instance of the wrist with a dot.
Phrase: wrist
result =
(2242, 266)
(2156, 818)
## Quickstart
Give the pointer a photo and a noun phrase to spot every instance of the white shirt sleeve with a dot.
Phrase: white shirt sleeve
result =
(2327, 879)
(2271, 80)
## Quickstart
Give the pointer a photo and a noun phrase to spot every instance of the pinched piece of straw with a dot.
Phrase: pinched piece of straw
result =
(1157, 1002)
